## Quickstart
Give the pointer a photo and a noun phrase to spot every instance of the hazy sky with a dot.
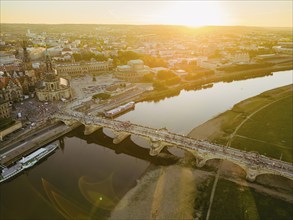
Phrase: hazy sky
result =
(193, 13)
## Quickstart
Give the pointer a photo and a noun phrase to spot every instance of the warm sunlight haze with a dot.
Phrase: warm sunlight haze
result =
(192, 14)
(154, 109)
(189, 13)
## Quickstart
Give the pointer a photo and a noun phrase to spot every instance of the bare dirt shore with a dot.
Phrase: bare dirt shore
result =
(164, 193)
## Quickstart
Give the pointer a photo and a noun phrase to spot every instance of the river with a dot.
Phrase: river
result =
(88, 175)
(191, 108)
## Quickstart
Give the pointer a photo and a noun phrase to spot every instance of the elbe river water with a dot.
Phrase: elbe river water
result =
(88, 175)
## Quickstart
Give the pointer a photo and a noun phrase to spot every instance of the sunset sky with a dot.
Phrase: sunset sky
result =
(191, 13)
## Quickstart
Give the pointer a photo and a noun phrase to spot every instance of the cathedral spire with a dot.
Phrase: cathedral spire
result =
(26, 58)
(48, 61)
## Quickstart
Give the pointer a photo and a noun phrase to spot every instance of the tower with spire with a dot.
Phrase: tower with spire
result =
(48, 62)
(50, 74)
(26, 58)
(52, 87)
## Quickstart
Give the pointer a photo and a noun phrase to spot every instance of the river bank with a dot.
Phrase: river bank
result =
(164, 193)
(258, 110)
(182, 192)
(214, 128)
(224, 128)
(218, 77)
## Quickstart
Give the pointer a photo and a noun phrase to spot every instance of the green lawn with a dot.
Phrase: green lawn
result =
(232, 201)
(272, 130)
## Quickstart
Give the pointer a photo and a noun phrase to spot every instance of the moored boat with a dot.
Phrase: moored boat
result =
(34, 157)
(9, 172)
(119, 110)
(26, 162)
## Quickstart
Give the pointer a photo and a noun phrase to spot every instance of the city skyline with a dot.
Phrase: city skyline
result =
(188, 13)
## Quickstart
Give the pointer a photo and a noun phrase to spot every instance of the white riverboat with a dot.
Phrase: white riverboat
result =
(120, 109)
(9, 172)
(26, 162)
(34, 157)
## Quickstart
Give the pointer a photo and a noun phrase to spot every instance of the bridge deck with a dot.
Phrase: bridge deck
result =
(249, 159)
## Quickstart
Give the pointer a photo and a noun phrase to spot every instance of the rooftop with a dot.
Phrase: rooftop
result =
(135, 62)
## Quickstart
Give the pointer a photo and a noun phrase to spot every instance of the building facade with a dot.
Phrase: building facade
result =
(239, 58)
(5, 109)
(133, 71)
(77, 69)
(53, 88)
(10, 89)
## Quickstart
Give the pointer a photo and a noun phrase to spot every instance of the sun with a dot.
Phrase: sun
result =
(193, 14)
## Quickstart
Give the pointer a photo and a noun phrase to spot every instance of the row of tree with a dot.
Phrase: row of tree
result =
(87, 56)
(124, 56)
(165, 78)
(102, 96)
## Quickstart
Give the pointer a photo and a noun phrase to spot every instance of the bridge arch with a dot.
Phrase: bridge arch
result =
(229, 166)
(109, 132)
(262, 174)
(140, 141)
(176, 151)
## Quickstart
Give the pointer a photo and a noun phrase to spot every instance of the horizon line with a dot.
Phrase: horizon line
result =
(180, 25)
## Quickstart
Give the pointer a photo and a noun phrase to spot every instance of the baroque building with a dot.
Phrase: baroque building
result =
(52, 87)
(133, 71)
(77, 69)
(10, 89)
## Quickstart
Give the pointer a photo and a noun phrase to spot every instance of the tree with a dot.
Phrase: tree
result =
(102, 96)
(77, 57)
(148, 77)
(165, 74)
(153, 61)
(172, 81)
(159, 85)
(125, 56)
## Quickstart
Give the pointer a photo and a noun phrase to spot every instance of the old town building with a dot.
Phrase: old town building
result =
(52, 87)
(76, 69)
(5, 109)
(133, 71)
(10, 89)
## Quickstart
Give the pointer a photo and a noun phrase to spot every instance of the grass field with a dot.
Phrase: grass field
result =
(246, 203)
(269, 131)
(262, 123)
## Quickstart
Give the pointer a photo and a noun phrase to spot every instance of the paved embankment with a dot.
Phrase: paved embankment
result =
(30, 144)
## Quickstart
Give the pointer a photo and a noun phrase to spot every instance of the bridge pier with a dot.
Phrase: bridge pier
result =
(120, 136)
(251, 174)
(200, 159)
(89, 129)
(61, 143)
(157, 147)
(200, 162)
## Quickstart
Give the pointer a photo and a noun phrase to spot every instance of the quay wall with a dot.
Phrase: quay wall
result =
(17, 154)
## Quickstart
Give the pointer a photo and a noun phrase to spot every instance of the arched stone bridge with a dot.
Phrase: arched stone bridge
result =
(253, 163)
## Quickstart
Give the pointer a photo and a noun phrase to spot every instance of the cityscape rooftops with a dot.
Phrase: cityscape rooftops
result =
(135, 62)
